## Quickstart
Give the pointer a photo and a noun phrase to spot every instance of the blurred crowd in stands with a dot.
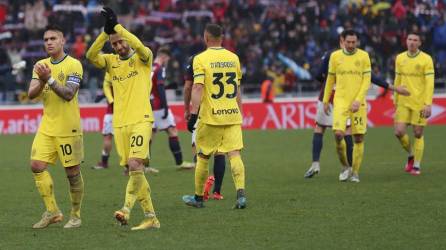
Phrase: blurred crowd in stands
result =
(277, 40)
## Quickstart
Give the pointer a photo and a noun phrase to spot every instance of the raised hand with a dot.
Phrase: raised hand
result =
(43, 71)
(111, 20)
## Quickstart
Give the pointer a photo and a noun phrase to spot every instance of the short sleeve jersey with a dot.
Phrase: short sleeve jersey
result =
(219, 71)
(60, 117)
(415, 72)
(349, 69)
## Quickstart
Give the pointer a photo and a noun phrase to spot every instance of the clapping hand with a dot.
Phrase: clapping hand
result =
(43, 71)
(110, 20)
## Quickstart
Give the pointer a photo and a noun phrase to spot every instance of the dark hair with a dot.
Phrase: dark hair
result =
(416, 33)
(346, 33)
(163, 50)
(54, 27)
(214, 29)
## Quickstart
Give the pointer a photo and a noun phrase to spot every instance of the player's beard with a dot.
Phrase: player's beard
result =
(124, 52)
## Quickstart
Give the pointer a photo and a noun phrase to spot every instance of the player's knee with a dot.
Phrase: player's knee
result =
(172, 131)
(135, 164)
(339, 135)
(399, 133)
(417, 133)
(38, 166)
(72, 171)
(203, 156)
(358, 138)
(234, 153)
(319, 129)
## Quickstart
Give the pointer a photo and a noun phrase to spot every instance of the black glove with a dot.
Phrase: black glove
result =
(99, 98)
(166, 113)
(191, 123)
(110, 20)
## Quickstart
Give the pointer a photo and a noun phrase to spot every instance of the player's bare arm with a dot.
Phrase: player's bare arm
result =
(239, 100)
(35, 86)
(429, 89)
(187, 98)
(66, 92)
(197, 92)
(401, 90)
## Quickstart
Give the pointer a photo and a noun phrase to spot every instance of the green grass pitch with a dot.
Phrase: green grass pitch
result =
(389, 209)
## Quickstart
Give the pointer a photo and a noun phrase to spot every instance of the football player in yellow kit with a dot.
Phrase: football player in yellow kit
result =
(216, 98)
(350, 69)
(414, 69)
(129, 70)
(56, 81)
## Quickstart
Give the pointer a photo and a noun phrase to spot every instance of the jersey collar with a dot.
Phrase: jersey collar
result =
(216, 48)
(127, 57)
(413, 56)
(349, 53)
(59, 61)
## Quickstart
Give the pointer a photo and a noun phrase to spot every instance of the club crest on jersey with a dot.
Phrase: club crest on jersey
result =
(46, 88)
(357, 63)
(131, 62)
(61, 76)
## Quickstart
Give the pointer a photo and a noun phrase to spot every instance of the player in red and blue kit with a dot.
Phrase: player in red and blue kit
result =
(323, 120)
(164, 119)
(219, 159)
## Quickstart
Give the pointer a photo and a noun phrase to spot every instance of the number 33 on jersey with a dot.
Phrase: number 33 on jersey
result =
(219, 71)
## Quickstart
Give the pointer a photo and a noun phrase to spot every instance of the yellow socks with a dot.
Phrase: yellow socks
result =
(76, 194)
(201, 174)
(358, 153)
(418, 151)
(44, 184)
(134, 185)
(341, 149)
(238, 171)
(145, 200)
(405, 142)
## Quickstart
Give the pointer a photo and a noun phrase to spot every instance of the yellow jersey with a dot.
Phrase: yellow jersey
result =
(61, 118)
(352, 74)
(130, 78)
(417, 74)
(219, 71)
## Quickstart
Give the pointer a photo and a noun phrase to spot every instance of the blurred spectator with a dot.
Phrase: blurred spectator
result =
(35, 16)
(257, 30)
(267, 91)
(79, 47)
(6, 78)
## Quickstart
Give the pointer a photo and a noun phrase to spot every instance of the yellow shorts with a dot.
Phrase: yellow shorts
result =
(211, 139)
(409, 116)
(358, 119)
(69, 149)
(132, 141)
